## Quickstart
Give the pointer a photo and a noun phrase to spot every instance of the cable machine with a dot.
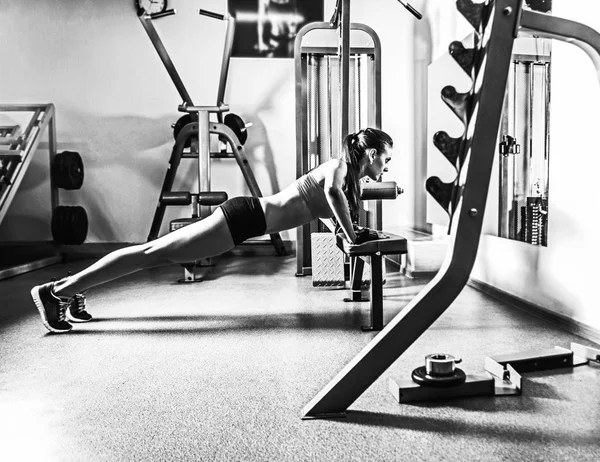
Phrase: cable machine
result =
(338, 91)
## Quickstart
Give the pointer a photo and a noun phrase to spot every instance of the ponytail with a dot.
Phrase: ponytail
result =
(354, 148)
(352, 183)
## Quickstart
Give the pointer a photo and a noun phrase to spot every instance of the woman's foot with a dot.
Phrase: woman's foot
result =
(76, 311)
(52, 308)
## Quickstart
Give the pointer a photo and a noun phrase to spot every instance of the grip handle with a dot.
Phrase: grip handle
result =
(210, 14)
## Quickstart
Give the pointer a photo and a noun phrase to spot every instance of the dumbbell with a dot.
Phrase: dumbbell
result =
(380, 190)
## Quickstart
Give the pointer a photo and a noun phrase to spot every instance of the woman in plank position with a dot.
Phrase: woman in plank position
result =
(331, 190)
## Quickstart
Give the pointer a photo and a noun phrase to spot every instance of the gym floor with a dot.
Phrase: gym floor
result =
(220, 370)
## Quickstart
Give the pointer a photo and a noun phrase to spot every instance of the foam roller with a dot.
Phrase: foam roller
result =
(380, 190)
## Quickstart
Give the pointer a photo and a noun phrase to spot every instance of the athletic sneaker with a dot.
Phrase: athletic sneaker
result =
(51, 308)
(76, 311)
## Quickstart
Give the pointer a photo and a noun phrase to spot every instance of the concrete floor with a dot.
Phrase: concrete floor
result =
(220, 370)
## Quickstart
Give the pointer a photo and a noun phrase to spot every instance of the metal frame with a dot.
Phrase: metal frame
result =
(506, 21)
(15, 161)
(503, 374)
(200, 130)
(472, 186)
(304, 54)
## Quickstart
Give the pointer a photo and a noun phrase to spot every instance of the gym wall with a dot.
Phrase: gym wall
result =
(115, 104)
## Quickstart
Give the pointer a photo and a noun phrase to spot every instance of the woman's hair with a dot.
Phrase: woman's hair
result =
(354, 147)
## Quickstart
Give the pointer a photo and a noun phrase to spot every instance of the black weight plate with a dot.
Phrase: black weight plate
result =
(69, 225)
(237, 126)
(420, 376)
(182, 122)
(67, 170)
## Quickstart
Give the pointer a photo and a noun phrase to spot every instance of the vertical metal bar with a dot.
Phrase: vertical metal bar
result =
(503, 167)
(358, 123)
(54, 196)
(376, 292)
(547, 112)
(318, 106)
(203, 159)
(344, 52)
(527, 168)
(356, 277)
(301, 64)
(329, 109)
(227, 48)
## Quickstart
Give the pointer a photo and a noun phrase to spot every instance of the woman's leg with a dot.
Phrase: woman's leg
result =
(205, 238)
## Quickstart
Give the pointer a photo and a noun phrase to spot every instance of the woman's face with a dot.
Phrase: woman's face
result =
(378, 163)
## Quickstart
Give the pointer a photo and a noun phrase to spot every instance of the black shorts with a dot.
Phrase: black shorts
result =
(245, 218)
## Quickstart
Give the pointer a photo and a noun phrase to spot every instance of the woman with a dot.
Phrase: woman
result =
(331, 190)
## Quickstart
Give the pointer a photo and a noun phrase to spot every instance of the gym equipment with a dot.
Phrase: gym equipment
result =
(496, 23)
(238, 126)
(192, 131)
(373, 251)
(380, 190)
(338, 91)
(410, 8)
(439, 371)
(182, 122)
(69, 225)
(17, 148)
(67, 170)
(502, 374)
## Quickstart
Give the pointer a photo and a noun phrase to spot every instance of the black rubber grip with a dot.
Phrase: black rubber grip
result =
(415, 13)
(210, 14)
(176, 198)
(163, 14)
(212, 197)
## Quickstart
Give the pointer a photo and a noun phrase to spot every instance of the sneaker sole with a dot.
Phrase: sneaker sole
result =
(35, 295)
(72, 319)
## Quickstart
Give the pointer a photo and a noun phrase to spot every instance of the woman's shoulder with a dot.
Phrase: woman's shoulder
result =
(332, 166)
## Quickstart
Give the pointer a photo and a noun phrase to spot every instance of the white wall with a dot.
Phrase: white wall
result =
(115, 104)
(562, 276)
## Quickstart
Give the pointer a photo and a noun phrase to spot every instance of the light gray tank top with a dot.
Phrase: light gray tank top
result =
(314, 196)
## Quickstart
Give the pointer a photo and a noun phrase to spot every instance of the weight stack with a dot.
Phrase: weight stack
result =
(328, 262)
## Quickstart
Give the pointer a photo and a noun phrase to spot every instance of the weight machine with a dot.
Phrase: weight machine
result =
(496, 23)
(192, 140)
(338, 91)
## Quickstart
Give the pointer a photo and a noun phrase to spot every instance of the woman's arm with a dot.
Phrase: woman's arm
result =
(334, 180)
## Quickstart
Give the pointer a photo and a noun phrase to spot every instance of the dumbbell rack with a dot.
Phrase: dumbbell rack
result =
(196, 133)
(17, 148)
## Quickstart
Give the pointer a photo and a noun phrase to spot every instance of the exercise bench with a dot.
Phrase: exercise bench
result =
(374, 250)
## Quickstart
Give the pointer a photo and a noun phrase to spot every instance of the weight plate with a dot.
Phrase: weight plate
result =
(67, 170)
(182, 122)
(69, 225)
(420, 376)
(237, 126)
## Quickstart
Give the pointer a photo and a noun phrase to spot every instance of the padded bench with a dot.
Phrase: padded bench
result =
(387, 244)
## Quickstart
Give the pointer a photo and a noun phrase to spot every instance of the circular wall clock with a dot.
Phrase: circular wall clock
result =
(151, 6)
